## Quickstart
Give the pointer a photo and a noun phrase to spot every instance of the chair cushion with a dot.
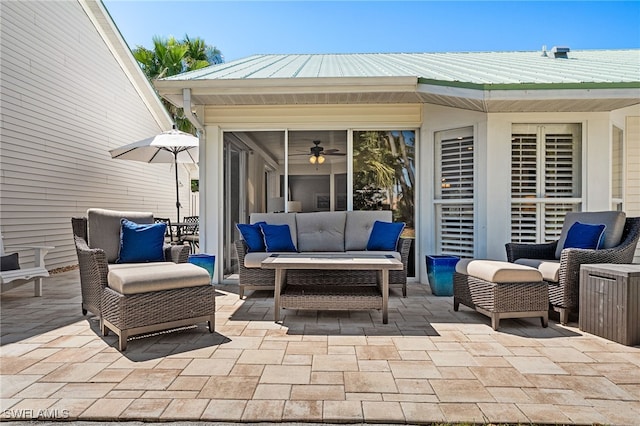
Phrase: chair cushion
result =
(498, 272)
(9, 262)
(584, 236)
(614, 226)
(103, 227)
(278, 219)
(384, 235)
(160, 277)
(277, 238)
(550, 269)
(252, 235)
(358, 227)
(141, 242)
(321, 231)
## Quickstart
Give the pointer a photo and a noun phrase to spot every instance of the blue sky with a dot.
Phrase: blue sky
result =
(244, 28)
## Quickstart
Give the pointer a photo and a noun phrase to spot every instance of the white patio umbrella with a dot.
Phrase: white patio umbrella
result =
(172, 146)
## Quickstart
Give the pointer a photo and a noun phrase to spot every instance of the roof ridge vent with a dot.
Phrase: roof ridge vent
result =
(560, 51)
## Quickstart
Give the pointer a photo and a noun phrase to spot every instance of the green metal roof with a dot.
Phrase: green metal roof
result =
(496, 70)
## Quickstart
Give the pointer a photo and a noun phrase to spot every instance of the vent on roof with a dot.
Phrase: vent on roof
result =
(560, 51)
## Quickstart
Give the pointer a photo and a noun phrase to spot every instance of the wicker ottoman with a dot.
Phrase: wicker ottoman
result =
(144, 299)
(501, 290)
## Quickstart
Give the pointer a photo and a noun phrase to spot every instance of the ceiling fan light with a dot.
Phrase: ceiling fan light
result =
(321, 159)
(312, 159)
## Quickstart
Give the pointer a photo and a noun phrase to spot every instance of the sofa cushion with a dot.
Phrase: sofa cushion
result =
(104, 229)
(550, 269)
(141, 242)
(358, 227)
(584, 236)
(277, 238)
(614, 226)
(321, 231)
(160, 277)
(384, 235)
(252, 235)
(278, 219)
(498, 272)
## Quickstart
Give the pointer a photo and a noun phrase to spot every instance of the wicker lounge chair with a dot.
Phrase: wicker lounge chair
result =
(160, 296)
(564, 292)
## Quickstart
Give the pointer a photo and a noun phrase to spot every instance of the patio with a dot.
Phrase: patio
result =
(428, 364)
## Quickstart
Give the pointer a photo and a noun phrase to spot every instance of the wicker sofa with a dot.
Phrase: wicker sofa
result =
(137, 298)
(321, 232)
(560, 267)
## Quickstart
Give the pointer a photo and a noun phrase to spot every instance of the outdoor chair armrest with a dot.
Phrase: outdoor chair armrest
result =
(39, 252)
(404, 247)
(92, 263)
(517, 251)
(176, 253)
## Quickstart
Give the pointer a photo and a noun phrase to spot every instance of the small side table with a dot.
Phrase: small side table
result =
(610, 302)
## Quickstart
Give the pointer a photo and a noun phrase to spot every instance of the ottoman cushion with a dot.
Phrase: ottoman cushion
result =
(498, 272)
(160, 277)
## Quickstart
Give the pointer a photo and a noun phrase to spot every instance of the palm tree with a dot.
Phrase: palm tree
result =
(170, 57)
(384, 172)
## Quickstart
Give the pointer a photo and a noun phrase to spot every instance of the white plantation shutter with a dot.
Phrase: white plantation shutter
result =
(617, 169)
(545, 180)
(454, 192)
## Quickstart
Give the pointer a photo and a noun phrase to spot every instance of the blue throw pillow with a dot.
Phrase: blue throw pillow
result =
(141, 242)
(585, 236)
(384, 236)
(252, 235)
(277, 238)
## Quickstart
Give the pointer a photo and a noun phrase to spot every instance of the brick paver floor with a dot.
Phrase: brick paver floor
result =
(428, 364)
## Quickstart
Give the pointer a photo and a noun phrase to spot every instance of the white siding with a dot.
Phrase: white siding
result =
(65, 101)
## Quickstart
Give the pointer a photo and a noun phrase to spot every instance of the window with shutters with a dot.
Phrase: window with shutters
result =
(454, 192)
(546, 176)
(617, 169)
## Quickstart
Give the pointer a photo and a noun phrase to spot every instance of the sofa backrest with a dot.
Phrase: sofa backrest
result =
(327, 231)
(103, 229)
(614, 226)
(358, 227)
(321, 231)
(278, 219)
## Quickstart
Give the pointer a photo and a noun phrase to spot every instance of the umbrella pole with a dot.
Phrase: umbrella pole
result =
(175, 166)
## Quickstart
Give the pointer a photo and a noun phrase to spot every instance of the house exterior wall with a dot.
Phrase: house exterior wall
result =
(65, 101)
(629, 120)
(492, 137)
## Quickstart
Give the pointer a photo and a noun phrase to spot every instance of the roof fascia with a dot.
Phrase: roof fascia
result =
(289, 85)
(527, 94)
(112, 37)
(531, 86)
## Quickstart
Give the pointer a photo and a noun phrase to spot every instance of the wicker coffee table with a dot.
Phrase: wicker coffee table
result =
(328, 296)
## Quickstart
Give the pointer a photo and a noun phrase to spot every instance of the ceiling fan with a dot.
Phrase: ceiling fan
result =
(318, 152)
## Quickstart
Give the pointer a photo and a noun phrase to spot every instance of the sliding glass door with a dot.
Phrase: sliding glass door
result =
(311, 170)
